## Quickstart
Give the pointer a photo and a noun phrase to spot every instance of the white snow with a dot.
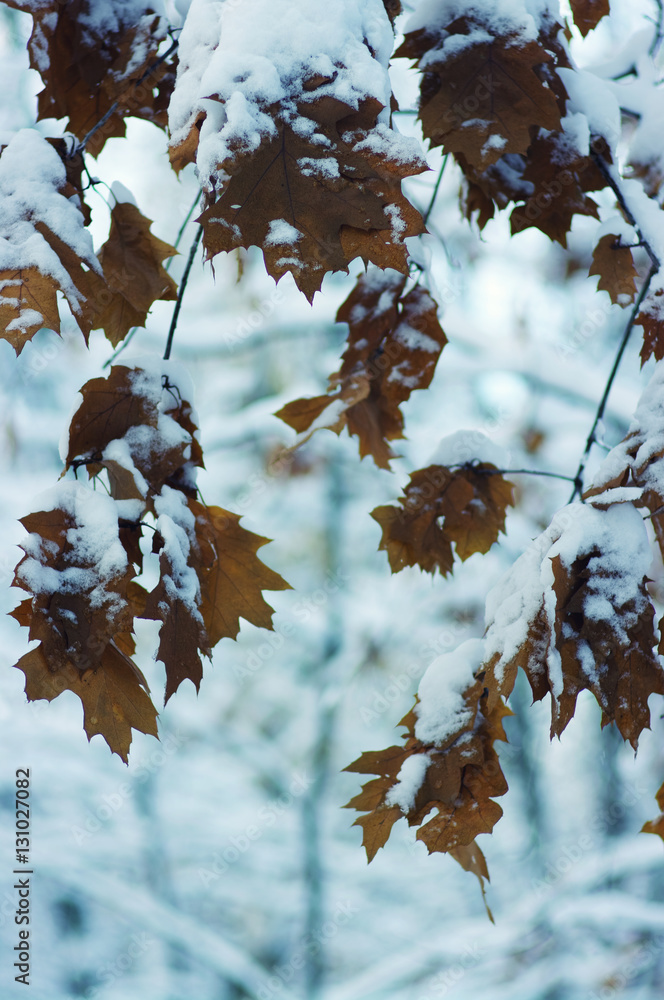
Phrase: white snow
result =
(32, 177)
(467, 446)
(442, 710)
(409, 781)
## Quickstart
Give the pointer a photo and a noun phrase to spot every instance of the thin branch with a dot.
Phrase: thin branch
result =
(426, 215)
(659, 30)
(519, 472)
(181, 290)
(116, 104)
(184, 226)
(134, 330)
(578, 478)
(606, 172)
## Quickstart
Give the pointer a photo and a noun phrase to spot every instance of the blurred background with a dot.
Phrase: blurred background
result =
(219, 864)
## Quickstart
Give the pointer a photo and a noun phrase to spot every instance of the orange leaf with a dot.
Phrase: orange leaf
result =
(114, 701)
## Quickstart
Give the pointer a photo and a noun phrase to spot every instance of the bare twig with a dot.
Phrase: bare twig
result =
(181, 290)
(578, 478)
(116, 104)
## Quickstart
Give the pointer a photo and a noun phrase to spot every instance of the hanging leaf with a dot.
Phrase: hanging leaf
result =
(394, 343)
(134, 277)
(614, 264)
(440, 507)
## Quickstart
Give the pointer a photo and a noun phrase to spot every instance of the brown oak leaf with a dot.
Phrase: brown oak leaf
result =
(588, 13)
(394, 343)
(307, 216)
(614, 264)
(134, 277)
(483, 98)
(77, 606)
(114, 700)
(441, 506)
(656, 826)
(88, 62)
(651, 318)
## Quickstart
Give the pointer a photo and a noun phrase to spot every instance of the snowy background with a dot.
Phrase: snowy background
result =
(218, 864)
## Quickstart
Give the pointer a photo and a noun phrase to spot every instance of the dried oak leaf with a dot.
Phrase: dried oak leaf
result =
(110, 407)
(614, 264)
(656, 825)
(588, 13)
(651, 318)
(596, 633)
(88, 62)
(461, 777)
(441, 506)
(231, 575)
(394, 344)
(27, 303)
(559, 179)
(77, 606)
(210, 578)
(114, 700)
(45, 246)
(134, 277)
(315, 198)
(481, 97)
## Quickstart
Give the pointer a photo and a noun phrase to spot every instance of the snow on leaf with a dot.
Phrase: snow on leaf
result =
(394, 344)
(480, 92)
(77, 571)
(295, 152)
(44, 246)
(442, 506)
(575, 614)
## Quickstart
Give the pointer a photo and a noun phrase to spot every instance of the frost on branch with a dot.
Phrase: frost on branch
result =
(83, 553)
(394, 343)
(90, 55)
(44, 246)
(284, 105)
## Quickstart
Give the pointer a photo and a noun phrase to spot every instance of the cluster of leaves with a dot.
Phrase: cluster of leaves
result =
(83, 555)
(309, 168)
(575, 612)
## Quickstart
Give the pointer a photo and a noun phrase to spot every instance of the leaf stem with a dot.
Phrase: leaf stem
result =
(434, 195)
(519, 472)
(578, 478)
(183, 284)
(116, 104)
